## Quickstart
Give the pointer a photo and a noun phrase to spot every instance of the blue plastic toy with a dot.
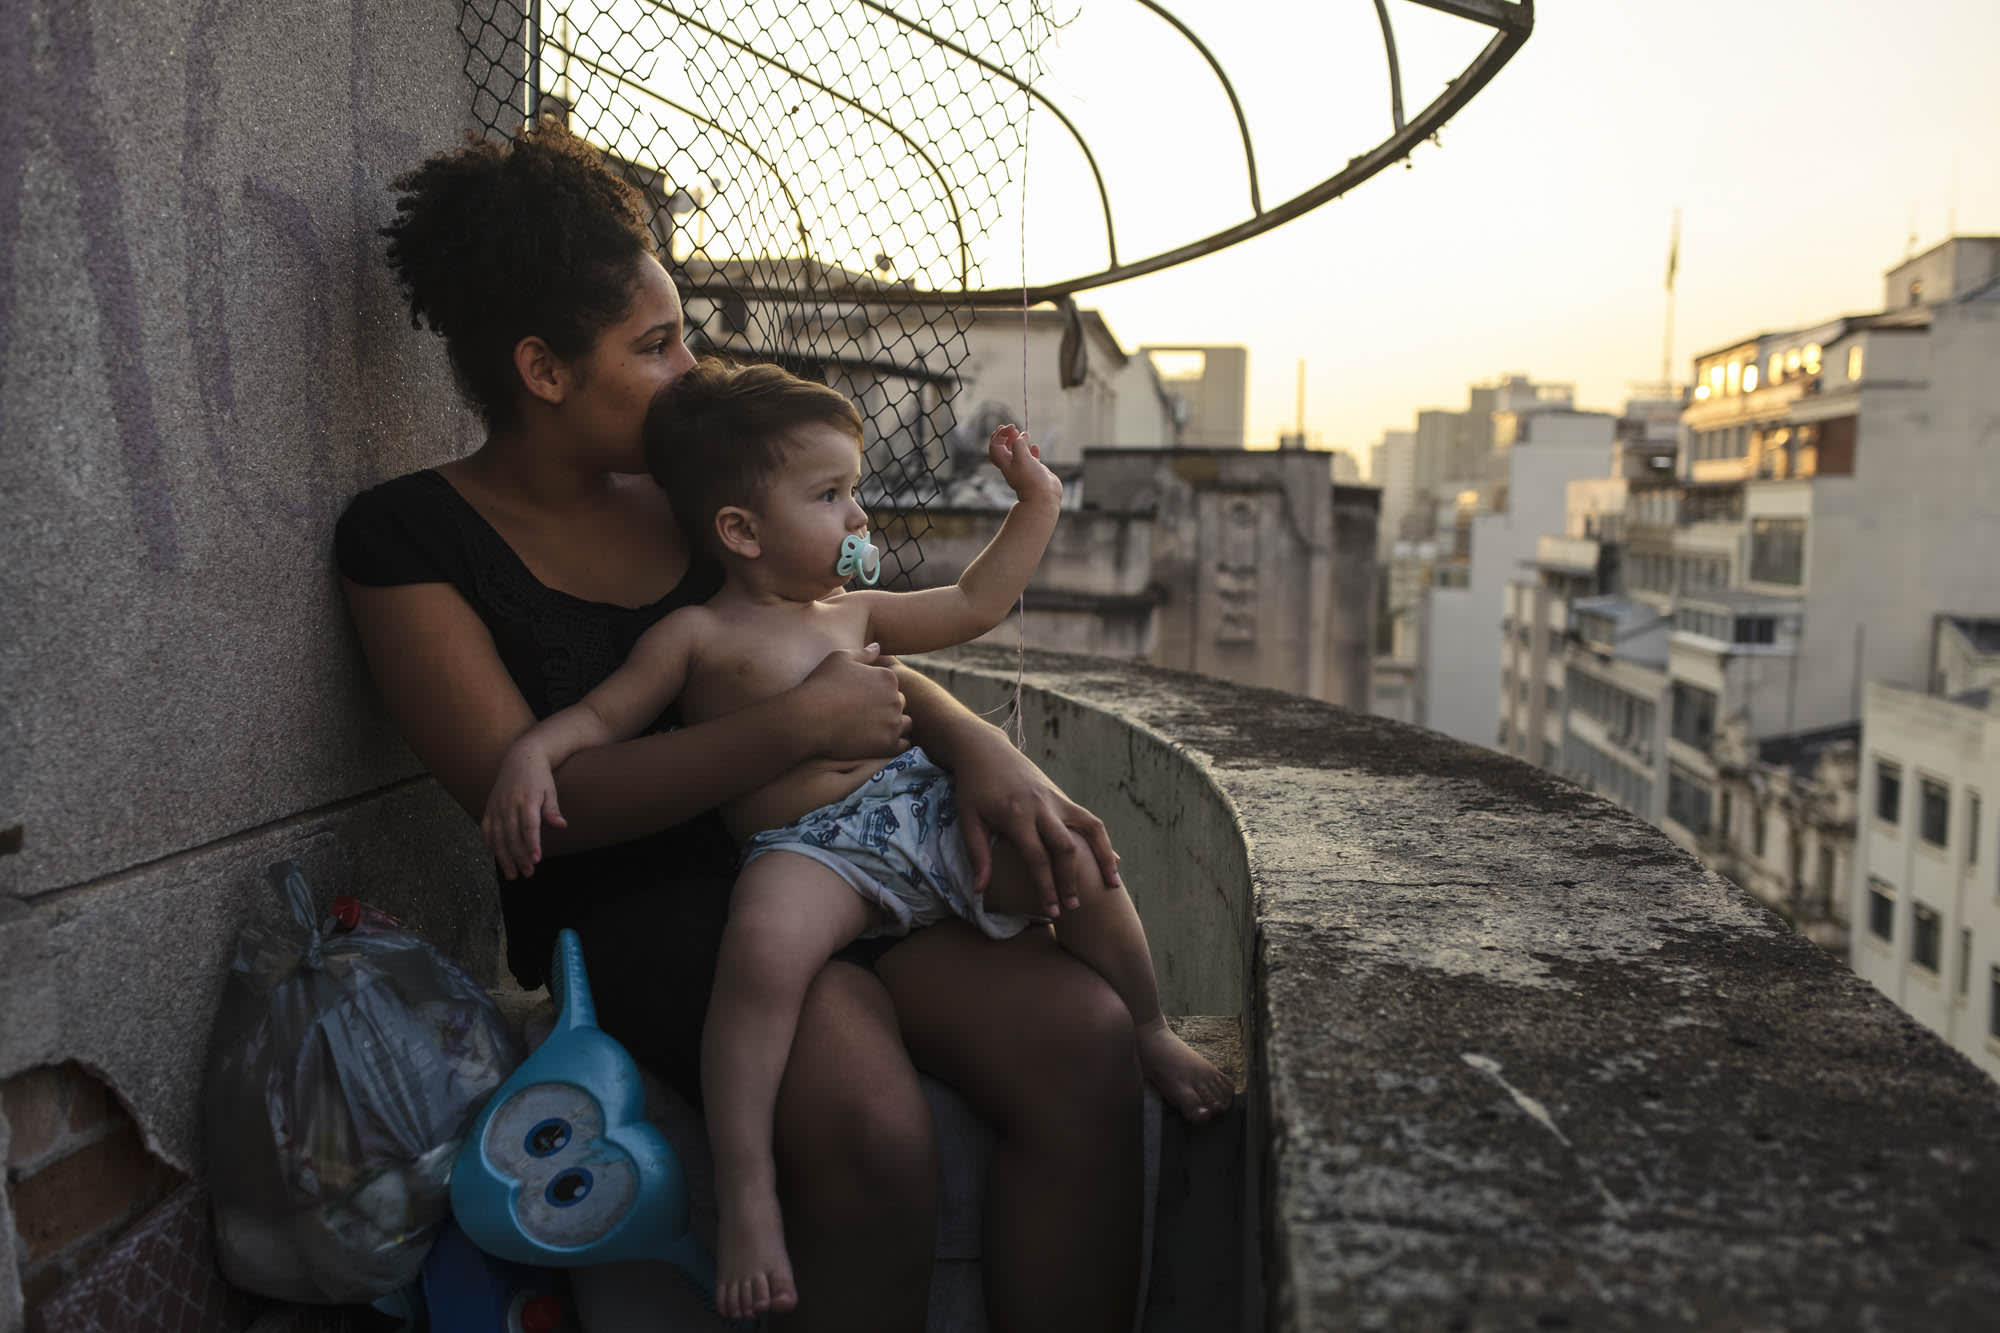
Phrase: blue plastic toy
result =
(562, 1168)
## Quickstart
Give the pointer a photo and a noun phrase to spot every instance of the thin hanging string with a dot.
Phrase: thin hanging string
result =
(1018, 715)
(1016, 719)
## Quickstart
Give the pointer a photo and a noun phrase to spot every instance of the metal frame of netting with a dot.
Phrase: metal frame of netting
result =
(824, 176)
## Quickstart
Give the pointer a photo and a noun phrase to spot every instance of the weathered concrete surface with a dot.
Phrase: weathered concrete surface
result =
(1522, 1063)
(202, 355)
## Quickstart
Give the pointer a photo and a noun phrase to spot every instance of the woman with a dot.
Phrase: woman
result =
(503, 585)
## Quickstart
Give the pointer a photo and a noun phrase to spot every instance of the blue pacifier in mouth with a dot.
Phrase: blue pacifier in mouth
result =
(859, 558)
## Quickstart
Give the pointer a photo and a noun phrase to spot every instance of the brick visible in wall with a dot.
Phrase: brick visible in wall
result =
(77, 1173)
(158, 1277)
(100, 1186)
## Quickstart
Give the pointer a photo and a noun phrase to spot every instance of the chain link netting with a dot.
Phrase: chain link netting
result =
(803, 160)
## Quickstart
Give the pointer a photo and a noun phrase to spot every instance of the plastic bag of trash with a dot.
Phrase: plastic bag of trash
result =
(347, 1062)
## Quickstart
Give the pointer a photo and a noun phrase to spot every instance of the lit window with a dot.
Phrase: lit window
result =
(1792, 362)
(1924, 937)
(1750, 378)
(1854, 362)
(1810, 358)
(1715, 373)
(1701, 393)
(1734, 372)
(1777, 373)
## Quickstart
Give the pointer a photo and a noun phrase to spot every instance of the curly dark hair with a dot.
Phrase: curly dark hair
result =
(495, 242)
(717, 435)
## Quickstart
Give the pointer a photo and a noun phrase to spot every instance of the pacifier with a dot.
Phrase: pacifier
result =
(859, 558)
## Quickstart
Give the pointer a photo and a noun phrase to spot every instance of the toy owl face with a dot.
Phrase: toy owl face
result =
(562, 1168)
(575, 1184)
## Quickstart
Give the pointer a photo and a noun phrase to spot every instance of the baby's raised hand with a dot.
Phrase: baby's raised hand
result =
(523, 796)
(1020, 462)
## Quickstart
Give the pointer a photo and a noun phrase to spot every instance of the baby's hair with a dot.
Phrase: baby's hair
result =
(717, 436)
(496, 242)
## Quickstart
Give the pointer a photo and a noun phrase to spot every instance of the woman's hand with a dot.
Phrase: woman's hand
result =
(854, 705)
(1001, 792)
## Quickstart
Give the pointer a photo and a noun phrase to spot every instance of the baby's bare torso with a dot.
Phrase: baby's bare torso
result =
(750, 653)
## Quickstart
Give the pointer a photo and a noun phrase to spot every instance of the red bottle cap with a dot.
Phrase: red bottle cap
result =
(347, 911)
(543, 1314)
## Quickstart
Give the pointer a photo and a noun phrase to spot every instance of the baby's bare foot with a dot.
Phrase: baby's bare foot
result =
(1191, 1085)
(753, 1271)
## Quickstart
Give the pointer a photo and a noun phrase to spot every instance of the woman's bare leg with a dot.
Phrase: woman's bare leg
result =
(857, 1164)
(787, 915)
(1044, 1050)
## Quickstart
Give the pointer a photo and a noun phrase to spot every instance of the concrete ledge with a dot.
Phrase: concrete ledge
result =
(1515, 1060)
(122, 974)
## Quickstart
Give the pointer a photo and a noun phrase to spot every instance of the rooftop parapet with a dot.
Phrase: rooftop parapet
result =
(1516, 1060)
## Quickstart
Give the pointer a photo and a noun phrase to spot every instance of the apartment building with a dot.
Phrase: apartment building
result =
(1926, 898)
(1541, 444)
(1833, 489)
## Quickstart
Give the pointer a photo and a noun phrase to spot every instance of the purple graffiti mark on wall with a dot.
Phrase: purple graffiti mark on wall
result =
(75, 130)
(373, 290)
(289, 216)
(15, 72)
(207, 272)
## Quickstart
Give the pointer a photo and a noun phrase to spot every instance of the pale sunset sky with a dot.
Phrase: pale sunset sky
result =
(1804, 141)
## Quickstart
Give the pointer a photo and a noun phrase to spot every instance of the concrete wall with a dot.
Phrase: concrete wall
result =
(1515, 1061)
(202, 357)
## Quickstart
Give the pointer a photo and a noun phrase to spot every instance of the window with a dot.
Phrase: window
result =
(1972, 828)
(1552, 699)
(1881, 909)
(1826, 863)
(1694, 715)
(1854, 362)
(1993, 1004)
(1688, 800)
(1723, 823)
(1924, 937)
(1756, 629)
(1551, 757)
(1778, 550)
(1934, 822)
(1964, 963)
(1757, 832)
(1888, 791)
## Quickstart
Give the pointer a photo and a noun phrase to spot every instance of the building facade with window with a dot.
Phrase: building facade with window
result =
(1833, 491)
(1925, 899)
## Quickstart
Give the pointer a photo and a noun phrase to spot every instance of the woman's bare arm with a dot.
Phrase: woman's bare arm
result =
(450, 696)
(1001, 791)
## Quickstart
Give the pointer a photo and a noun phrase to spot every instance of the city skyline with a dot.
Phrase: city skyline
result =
(1807, 149)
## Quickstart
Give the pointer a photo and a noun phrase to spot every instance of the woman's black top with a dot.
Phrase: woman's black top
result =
(419, 529)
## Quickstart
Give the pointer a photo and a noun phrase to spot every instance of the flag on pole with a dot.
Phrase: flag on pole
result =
(1674, 251)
